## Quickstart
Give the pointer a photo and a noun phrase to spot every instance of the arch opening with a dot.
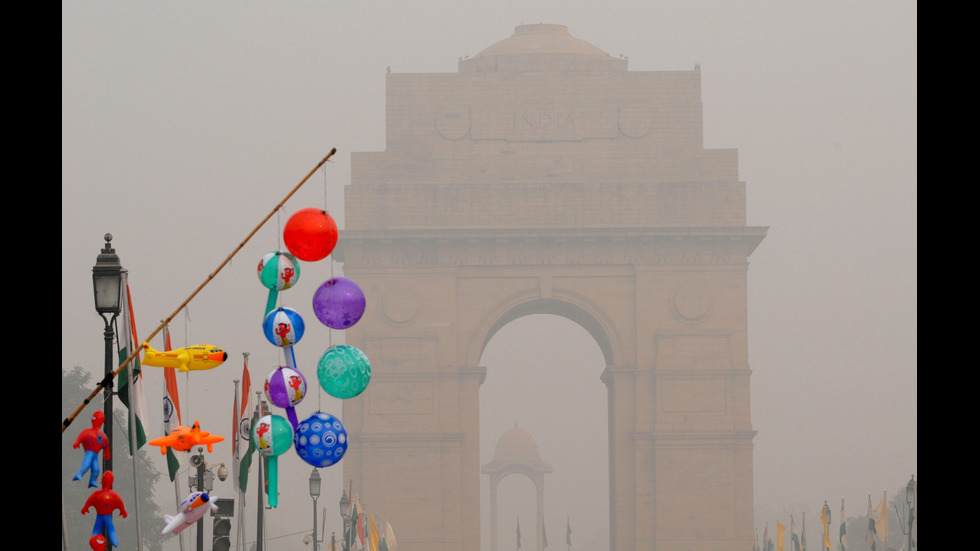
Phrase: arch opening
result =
(544, 361)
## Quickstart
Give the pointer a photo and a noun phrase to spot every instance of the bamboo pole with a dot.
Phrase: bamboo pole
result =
(107, 381)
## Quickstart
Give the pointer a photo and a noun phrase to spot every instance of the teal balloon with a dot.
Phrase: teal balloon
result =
(343, 371)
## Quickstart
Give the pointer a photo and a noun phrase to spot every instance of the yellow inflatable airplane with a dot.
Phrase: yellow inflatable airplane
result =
(189, 358)
(183, 439)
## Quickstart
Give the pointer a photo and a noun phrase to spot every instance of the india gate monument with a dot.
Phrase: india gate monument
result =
(545, 177)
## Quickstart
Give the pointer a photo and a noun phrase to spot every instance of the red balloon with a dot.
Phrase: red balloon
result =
(310, 234)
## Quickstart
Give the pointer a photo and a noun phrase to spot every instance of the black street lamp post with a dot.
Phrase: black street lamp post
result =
(314, 493)
(344, 503)
(107, 284)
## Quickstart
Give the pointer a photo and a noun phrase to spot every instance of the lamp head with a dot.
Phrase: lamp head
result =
(315, 484)
(107, 280)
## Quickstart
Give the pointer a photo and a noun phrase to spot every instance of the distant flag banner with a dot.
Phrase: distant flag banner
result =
(374, 532)
(247, 457)
(765, 537)
(803, 534)
(843, 529)
(518, 533)
(544, 535)
(792, 534)
(243, 425)
(350, 534)
(825, 520)
(568, 531)
(358, 523)
(136, 402)
(881, 523)
(871, 536)
(171, 407)
(389, 537)
(780, 532)
(365, 532)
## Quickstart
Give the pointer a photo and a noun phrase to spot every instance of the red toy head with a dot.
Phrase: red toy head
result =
(107, 480)
(97, 542)
(97, 419)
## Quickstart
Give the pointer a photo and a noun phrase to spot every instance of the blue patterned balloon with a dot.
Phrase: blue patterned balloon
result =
(321, 440)
(283, 326)
(343, 371)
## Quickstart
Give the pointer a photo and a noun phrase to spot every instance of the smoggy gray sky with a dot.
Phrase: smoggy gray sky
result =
(185, 123)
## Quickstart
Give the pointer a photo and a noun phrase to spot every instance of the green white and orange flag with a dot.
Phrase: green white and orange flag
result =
(171, 407)
(843, 528)
(871, 536)
(135, 400)
(803, 534)
(241, 440)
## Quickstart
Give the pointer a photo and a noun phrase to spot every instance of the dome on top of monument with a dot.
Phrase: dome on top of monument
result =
(541, 48)
(542, 39)
(516, 445)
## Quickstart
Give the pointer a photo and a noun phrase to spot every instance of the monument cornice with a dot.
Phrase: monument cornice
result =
(404, 247)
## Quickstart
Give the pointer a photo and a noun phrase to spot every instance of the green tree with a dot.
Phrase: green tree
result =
(75, 387)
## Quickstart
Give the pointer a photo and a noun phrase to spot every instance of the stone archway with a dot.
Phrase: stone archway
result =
(544, 174)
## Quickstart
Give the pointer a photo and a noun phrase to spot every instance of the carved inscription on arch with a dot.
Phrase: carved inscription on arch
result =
(544, 122)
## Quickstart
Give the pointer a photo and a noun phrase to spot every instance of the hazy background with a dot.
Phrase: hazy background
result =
(185, 123)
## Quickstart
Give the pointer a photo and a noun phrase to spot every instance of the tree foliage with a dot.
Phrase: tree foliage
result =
(75, 387)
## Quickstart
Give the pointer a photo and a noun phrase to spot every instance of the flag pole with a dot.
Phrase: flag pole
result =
(166, 428)
(132, 412)
(235, 415)
(107, 381)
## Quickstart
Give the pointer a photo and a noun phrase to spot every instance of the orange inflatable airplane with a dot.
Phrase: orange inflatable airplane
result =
(183, 439)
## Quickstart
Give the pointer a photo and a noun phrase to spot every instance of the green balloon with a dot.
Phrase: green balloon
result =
(343, 371)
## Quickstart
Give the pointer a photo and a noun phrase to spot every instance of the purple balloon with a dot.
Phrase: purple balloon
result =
(338, 303)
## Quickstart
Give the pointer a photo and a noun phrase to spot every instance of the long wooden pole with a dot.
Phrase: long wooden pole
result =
(107, 381)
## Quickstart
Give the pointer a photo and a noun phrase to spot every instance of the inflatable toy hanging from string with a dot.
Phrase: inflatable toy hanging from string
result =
(191, 510)
(343, 371)
(285, 387)
(310, 234)
(93, 441)
(105, 501)
(321, 440)
(284, 327)
(277, 271)
(339, 303)
(272, 436)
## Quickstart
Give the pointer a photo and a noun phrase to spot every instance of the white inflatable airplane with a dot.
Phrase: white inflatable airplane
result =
(192, 509)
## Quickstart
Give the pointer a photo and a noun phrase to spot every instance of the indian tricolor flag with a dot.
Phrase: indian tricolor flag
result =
(241, 441)
(171, 407)
(135, 401)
